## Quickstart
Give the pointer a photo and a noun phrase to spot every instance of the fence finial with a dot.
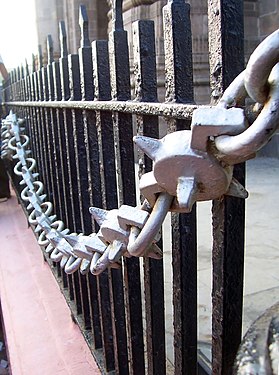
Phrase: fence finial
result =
(18, 73)
(26, 68)
(33, 63)
(117, 17)
(50, 58)
(22, 73)
(83, 23)
(63, 39)
(40, 56)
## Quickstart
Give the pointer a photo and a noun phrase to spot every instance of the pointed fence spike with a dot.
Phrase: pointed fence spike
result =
(40, 56)
(26, 68)
(50, 58)
(22, 73)
(33, 63)
(18, 73)
(117, 15)
(83, 23)
(63, 39)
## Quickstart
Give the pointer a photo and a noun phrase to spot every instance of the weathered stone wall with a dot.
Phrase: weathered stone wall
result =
(268, 17)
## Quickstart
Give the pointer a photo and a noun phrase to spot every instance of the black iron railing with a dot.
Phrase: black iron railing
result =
(80, 117)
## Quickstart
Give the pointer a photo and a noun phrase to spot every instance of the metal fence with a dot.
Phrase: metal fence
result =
(79, 116)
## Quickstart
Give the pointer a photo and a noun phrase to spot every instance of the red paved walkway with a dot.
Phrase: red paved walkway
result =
(42, 338)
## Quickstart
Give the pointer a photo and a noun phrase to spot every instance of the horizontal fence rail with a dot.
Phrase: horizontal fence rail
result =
(175, 110)
(142, 317)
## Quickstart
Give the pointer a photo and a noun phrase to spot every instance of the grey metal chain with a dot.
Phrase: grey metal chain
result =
(189, 166)
(95, 252)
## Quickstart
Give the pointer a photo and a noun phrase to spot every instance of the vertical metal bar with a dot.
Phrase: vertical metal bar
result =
(52, 145)
(179, 88)
(94, 311)
(74, 141)
(27, 97)
(146, 90)
(24, 95)
(50, 125)
(43, 95)
(81, 204)
(91, 161)
(226, 48)
(120, 84)
(53, 129)
(58, 143)
(34, 138)
(109, 190)
(57, 135)
(106, 320)
(22, 89)
(39, 140)
(64, 77)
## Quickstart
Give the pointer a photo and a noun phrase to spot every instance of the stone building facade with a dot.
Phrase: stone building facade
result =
(49, 13)
(261, 18)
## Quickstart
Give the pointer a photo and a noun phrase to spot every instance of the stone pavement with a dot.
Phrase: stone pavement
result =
(42, 338)
(261, 284)
(261, 288)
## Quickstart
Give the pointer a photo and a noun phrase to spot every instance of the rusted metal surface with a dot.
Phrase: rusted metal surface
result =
(172, 110)
(108, 190)
(179, 88)
(123, 133)
(146, 90)
(89, 140)
(226, 61)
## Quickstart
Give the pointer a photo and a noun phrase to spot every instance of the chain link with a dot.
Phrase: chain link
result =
(131, 231)
(259, 81)
(95, 252)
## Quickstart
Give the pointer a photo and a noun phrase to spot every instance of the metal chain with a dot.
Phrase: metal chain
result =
(209, 151)
(95, 252)
(259, 81)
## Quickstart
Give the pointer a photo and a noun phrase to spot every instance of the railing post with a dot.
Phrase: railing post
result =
(102, 91)
(120, 89)
(65, 89)
(226, 51)
(146, 90)
(179, 89)
(38, 89)
(57, 117)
